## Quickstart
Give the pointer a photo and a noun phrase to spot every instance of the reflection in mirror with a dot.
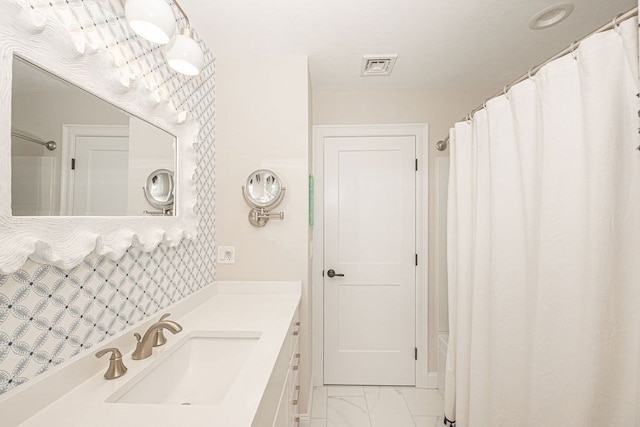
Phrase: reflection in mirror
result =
(263, 189)
(102, 154)
(158, 191)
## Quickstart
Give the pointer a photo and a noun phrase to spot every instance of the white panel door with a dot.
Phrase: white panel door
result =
(101, 182)
(369, 237)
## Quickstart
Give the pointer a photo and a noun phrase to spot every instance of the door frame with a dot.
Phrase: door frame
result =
(69, 135)
(420, 132)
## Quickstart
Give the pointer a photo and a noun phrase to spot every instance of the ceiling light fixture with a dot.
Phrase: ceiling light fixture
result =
(550, 16)
(184, 54)
(152, 20)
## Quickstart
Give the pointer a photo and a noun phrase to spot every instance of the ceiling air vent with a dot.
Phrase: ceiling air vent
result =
(378, 65)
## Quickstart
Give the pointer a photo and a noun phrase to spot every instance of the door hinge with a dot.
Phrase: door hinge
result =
(73, 164)
(416, 164)
(416, 259)
(416, 353)
(322, 273)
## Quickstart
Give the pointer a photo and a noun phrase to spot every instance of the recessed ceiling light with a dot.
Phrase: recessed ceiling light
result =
(550, 16)
(377, 65)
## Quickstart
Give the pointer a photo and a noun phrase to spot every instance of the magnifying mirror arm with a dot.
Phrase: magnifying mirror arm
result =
(259, 216)
(164, 212)
(270, 215)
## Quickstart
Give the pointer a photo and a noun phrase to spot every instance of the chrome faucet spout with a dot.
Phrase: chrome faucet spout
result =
(145, 343)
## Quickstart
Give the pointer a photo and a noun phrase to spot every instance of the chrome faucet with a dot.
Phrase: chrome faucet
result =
(146, 343)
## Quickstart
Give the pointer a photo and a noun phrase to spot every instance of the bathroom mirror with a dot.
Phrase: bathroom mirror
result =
(158, 190)
(263, 191)
(58, 237)
(100, 149)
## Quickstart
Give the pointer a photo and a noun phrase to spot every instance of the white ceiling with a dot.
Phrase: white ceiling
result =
(461, 44)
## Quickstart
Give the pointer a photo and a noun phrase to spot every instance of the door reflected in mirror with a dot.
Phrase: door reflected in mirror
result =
(74, 154)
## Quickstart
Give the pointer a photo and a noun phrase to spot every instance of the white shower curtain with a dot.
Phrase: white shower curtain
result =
(544, 247)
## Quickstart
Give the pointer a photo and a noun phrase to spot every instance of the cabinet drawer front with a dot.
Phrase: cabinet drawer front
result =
(294, 333)
(283, 413)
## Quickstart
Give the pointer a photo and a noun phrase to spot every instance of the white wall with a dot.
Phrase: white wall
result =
(440, 109)
(262, 121)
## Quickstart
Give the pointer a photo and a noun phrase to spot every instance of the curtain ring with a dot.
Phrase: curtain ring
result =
(574, 49)
(530, 73)
(616, 22)
(505, 91)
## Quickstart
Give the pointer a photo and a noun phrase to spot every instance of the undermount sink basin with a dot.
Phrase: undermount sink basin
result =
(199, 370)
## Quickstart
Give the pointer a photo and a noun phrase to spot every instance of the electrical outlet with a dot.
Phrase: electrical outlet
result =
(226, 254)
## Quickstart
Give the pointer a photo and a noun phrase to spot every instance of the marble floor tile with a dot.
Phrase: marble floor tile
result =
(344, 390)
(350, 411)
(427, 421)
(423, 402)
(319, 404)
(375, 406)
(387, 407)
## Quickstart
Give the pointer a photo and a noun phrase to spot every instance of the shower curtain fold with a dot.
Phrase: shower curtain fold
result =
(543, 240)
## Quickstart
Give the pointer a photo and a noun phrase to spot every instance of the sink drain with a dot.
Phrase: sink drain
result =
(185, 403)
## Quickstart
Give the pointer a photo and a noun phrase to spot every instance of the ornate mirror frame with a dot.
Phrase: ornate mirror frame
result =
(66, 241)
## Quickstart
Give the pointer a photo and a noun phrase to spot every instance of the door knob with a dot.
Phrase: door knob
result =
(332, 273)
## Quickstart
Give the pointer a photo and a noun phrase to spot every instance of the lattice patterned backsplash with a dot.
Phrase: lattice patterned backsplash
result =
(48, 315)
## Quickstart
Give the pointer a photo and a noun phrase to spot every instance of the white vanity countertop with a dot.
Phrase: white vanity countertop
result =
(266, 307)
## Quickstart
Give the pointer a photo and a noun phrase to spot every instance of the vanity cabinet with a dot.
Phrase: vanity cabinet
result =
(279, 405)
(257, 387)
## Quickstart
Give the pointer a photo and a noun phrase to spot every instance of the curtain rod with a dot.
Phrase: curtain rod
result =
(444, 143)
(51, 145)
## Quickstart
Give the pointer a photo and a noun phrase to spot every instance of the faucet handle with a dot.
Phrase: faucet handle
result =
(159, 339)
(116, 366)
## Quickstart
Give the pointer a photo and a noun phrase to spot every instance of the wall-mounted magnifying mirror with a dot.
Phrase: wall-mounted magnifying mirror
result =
(158, 191)
(263, 191)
